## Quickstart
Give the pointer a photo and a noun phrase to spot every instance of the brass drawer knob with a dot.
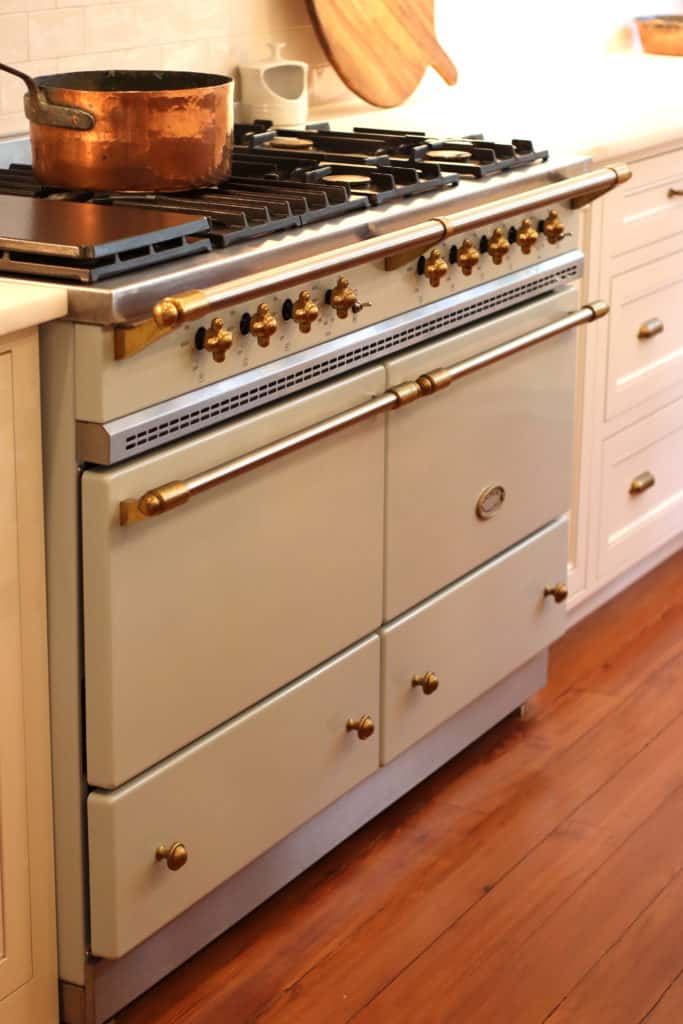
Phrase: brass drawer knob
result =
(674, 193)
(559, 592)
(174, 855)
(428, 682)
(642, 482)
(364, 726)
(650, 328)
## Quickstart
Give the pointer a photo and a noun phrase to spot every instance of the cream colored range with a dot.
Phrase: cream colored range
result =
(235, 606)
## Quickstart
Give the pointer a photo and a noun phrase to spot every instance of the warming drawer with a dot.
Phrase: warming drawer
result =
(483, 464)
(192, 617)
(229, 797)
(449, 650)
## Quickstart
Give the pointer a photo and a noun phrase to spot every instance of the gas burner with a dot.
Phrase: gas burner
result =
(352, 180)
(282, 142)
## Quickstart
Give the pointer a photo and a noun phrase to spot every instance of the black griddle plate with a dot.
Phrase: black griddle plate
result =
(89, 241)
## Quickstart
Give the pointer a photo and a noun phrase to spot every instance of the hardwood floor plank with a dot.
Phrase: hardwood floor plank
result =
(525, 981)
(669, 1009)
(623, 986)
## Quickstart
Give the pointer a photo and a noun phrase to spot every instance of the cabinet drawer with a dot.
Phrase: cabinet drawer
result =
(470, 637)
(637, 518)
(228, 798)
(644, 210)
(202, 612)
(508, 426)
(645, 333)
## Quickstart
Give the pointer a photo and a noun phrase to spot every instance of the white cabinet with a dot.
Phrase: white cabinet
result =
(28, 985)
(631, 384)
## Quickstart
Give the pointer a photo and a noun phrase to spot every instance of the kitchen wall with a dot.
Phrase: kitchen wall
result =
(496, 44)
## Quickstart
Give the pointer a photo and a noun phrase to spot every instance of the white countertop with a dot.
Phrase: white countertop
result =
(25, 305)
(607, 107)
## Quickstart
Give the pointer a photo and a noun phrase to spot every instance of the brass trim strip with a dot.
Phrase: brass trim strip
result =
(170, 312)
(178, 492)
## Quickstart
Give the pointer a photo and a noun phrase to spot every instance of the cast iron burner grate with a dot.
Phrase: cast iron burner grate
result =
(282, 179)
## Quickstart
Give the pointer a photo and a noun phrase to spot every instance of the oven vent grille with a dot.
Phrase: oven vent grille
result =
(197, 410)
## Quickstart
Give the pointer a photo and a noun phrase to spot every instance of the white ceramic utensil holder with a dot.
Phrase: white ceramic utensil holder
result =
(275, 89)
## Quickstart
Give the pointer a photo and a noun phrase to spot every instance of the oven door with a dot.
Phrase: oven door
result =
(484, 463)
(193, 617)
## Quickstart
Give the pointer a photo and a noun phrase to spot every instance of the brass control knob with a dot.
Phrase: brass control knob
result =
(468, 257)
(218, 340)
(553, 228)
(428, 681)
(364, 726)
(435, 268)
(263, 325)
(559, 592)
(305, 311)
(344, 298)
(527, 236)
(498, 246)
(174, 855)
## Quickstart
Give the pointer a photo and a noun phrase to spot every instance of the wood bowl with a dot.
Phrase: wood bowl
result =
(662, 33)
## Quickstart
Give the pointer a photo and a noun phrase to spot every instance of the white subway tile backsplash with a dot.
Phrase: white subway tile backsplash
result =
(161, 21)
(7, 6)
(12, 89)
(13, 37)
(56, 33)
(111, 27)
(139, 58)
(191, 56)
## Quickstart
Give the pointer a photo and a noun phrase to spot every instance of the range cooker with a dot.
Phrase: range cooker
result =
(307, 482)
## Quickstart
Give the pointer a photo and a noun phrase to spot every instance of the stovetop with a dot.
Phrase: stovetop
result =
(281, 179)
(293, 194)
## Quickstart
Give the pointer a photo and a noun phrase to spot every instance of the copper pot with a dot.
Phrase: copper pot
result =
(133, 131)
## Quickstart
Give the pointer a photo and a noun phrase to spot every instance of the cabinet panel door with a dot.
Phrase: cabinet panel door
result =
(15, 909)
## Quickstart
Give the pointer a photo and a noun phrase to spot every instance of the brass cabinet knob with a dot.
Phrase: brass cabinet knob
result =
(559, 592)
(527, 236)
(428, 681)
(498, 246)
(468, 257)
(263, 325)
(642, 482)
(305, 312)
(364, 726)
(218, 340)
(343, 298)
(174, 855)
(435, 268)
(650, 328)
(674, 193)
(553, 228)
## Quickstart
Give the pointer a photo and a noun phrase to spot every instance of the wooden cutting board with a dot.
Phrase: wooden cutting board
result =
(381, 48)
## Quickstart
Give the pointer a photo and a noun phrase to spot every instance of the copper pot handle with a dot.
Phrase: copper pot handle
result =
(40, 110)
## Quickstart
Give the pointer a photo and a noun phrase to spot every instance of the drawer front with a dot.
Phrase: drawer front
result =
(228, 798)
(196, 615)
(508, 426)
(646, 209)
(470, 637)
(637, 514)
(645, 333)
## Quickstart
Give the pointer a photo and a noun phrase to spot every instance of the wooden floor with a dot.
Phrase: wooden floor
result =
(536, 877)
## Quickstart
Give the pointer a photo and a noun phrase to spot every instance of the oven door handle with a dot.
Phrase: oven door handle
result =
(178, 492)
(174, 310)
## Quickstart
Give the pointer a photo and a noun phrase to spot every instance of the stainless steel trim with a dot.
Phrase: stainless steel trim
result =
(150, 428)
(175, 493)
(131, 295)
